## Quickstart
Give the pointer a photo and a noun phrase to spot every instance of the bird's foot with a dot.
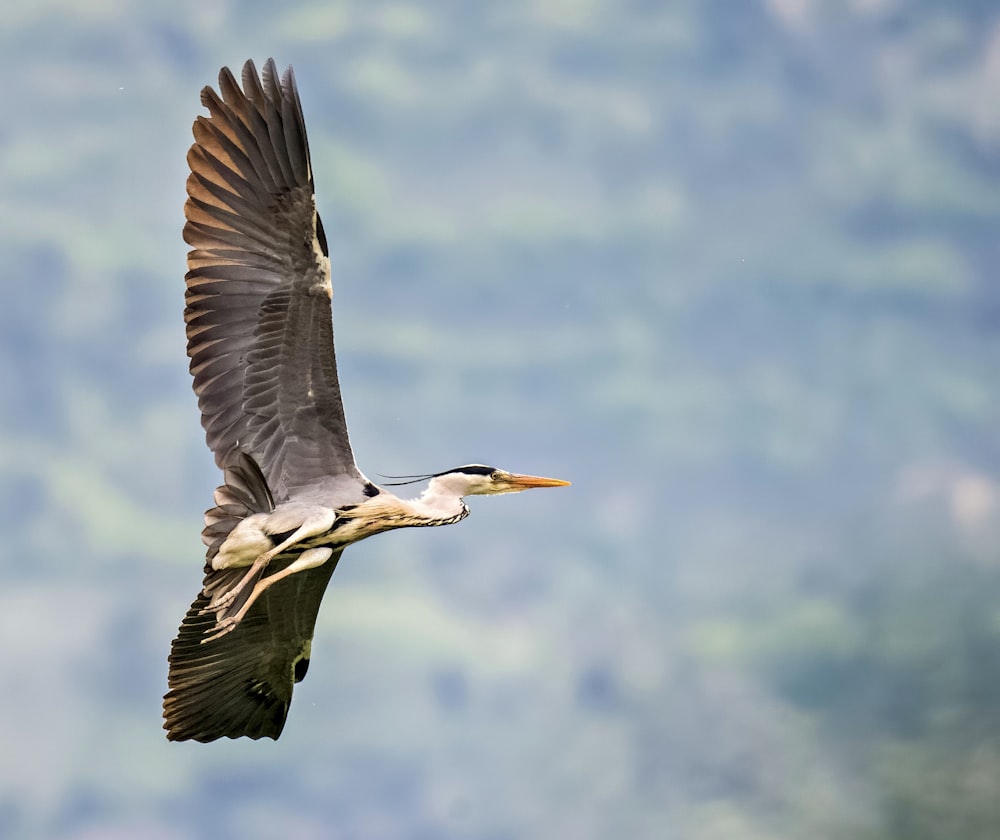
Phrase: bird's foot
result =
(220, 602)
(222, 627)
(225, 599)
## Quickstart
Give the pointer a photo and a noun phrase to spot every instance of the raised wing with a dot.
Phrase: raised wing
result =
(241, 684)
(258, 313)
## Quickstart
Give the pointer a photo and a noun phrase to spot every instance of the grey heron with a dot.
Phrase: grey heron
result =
(260, 341)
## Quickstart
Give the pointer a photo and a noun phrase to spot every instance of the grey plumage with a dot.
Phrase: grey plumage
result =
(260, 334)
(260, 340)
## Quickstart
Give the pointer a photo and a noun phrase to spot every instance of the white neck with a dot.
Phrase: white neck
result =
(439, 502)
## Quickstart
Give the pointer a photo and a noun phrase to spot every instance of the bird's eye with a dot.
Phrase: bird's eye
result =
(495, 475)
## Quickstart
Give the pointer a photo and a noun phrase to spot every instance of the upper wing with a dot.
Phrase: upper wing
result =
(259, 324)
(241, 684)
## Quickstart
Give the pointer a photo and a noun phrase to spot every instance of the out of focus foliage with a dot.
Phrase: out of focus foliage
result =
(732, 268)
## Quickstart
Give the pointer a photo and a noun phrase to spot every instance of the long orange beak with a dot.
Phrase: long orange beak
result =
(524, 482)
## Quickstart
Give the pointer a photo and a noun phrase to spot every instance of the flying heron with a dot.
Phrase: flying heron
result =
(260, 340)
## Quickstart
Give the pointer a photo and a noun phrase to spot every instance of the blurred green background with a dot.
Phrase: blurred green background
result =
(731, 268)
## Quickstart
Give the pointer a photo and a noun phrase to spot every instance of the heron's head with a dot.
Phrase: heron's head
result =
(481, 480)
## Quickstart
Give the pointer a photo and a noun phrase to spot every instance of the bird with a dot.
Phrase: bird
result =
(259, 325)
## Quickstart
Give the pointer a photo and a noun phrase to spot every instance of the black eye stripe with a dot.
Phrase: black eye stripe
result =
(470, 469)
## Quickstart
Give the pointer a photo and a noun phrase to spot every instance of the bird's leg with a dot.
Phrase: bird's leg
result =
(308, 559)
(224, 599)
(320, 522)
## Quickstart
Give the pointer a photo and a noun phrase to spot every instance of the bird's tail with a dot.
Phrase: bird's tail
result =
(244, 492)
(224, 687)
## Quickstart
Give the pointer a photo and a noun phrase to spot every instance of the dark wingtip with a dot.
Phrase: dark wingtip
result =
(221, 688)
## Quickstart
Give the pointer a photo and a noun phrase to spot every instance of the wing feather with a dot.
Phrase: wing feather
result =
(260, 341)
(241, 684)
(260, 335)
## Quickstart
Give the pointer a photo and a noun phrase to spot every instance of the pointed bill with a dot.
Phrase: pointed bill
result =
(524, 482)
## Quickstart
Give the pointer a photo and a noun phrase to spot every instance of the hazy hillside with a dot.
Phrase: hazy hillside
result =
(730, 268)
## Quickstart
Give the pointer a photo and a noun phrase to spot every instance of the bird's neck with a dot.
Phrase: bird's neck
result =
(436, 506)
(386, 512)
